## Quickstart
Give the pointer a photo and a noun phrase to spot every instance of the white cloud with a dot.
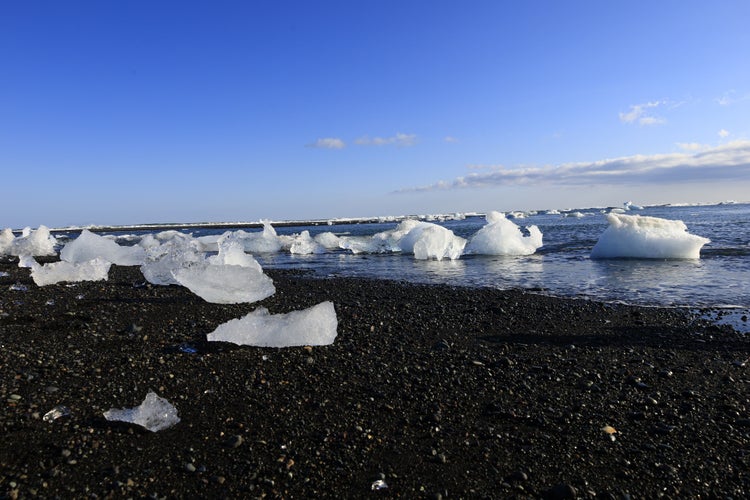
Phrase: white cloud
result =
(639, 113)
(723, 133)
(692, 146)
(328, 143)
(450, 139)
(731, 97)
(399, 140)
(729, 161)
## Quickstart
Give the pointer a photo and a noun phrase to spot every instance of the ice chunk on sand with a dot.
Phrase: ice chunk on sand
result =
(88, 246)
(36, 243)
(313, 326)
(225, 284)
(643, 237)
(231, 252)
(503, 237)
(162, 259)
(154, 414)
(6, 241)
(55, 272)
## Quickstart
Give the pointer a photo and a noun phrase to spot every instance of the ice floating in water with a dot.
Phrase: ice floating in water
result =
(313, 326)
(55, 272)
(647, 238)
(423, 239)
(88, 246)
(328, 240)
(36, 243)
(154, 414)
(502, 237)
(266, 241)
(304, 244)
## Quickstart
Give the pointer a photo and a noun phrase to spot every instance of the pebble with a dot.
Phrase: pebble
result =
(189, 467)
(234, 441)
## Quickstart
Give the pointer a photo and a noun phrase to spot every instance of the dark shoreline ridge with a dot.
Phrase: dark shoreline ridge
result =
(437, 391)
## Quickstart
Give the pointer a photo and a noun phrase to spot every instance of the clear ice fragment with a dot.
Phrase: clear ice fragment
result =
(55, 413)
(154, 414)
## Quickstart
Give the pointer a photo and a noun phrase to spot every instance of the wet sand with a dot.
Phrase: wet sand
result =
(428, 392)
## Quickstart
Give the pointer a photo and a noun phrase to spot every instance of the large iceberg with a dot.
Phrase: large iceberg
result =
(88, 246)
(37, 243)
(154, 413)
(313, 326)
(501, 236)
(55, 272)
(643, 237)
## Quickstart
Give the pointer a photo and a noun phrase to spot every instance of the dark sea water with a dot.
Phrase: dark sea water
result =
(562, 267)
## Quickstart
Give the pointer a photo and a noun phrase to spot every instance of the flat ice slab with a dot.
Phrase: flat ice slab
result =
(643, 237)
(88, 246)
(313, 326)
(225, 284)
(56, 272)
(154, 414)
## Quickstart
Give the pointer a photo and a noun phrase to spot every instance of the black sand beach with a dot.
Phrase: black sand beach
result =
(427, 392)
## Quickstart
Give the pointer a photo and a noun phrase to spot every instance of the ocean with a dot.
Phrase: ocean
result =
(720, 279)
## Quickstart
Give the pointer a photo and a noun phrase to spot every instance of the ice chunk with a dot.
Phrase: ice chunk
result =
(6, 241)
(162, 259)
(55, 272)
(89, 246)
(266, 241)
(501, 236)
(225, 284)
(231, 252)
(647, 238)
(36, 243)
(430, 241)
(313, 326)
(423, 239)
(154, 414)
(304, 244)
(327, 240)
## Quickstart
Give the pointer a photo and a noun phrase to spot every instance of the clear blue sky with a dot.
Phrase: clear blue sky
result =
(134, 111)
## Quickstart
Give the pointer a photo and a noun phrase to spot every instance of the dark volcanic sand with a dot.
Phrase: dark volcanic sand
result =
(438, 391)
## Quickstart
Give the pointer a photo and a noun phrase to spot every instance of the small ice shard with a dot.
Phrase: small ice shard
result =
(154, 414)
(225, 284)
(378, 485)
(55, 413)
(313, 326)
(501, 236)
(88, 246)
(55, 272)
(643, 237)
(36, 243)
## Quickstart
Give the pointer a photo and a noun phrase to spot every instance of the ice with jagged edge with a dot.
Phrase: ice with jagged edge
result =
(424, 240)
(231, 277)
(36, 243)
(501, 236)
(162, 258)
(154, 414)
(88, 246)
(313, 326)
(304, 244)
(636, 236)
(55, 272)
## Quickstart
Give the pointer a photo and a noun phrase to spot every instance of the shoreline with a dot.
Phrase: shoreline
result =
(435, 390)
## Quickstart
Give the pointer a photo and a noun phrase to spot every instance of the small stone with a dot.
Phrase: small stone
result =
(560, 492)
(234, 441)
(518, 475)
(189, 467)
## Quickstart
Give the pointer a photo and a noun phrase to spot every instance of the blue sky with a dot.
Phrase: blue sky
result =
(134, 112)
